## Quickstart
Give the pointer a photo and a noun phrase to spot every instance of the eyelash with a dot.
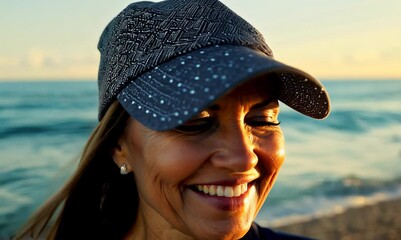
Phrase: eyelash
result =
(210, 124)
(264, 123)
(198, 126)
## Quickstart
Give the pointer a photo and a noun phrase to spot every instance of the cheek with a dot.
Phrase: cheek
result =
(175, 161)
(272, 151)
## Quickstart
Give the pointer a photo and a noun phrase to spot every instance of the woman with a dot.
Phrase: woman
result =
(188, 143)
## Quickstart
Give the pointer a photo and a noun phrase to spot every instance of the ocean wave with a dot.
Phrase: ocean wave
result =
(352, 186)
(328, 197)
(346, 120)
(71, 127)
(331, 164)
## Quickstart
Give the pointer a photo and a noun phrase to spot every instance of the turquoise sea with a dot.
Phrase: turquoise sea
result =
(351, 158)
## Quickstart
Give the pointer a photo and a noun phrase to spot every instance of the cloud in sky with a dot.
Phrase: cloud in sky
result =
(329, 39)
(38, 59)
(37, 63)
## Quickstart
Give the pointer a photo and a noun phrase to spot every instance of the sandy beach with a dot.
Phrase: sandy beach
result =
(380, 221)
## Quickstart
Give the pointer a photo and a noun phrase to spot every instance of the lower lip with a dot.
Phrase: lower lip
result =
(226, 203)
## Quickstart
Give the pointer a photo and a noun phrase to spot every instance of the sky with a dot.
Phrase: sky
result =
(342, 39)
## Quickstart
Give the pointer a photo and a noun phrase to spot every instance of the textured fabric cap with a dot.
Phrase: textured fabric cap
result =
(146, 34)
(166, 61)
(173, 92)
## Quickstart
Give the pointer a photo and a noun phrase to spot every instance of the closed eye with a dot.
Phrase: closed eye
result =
(197, 126)
(261, 122)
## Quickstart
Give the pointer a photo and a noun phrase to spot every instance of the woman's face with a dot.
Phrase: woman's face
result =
(209, 177)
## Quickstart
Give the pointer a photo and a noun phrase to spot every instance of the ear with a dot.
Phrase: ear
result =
(120, 154)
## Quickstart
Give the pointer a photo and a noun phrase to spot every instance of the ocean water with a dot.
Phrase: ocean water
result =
(351, 158)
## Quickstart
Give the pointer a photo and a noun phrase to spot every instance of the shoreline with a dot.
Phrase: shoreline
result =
(380, 220)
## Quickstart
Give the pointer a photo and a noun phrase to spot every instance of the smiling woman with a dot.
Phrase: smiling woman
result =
(188, 144)
(212, 172)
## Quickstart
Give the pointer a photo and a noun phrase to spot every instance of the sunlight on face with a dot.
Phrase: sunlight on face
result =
(209, 177)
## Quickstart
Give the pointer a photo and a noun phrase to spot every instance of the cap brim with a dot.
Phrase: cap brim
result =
(170, 94)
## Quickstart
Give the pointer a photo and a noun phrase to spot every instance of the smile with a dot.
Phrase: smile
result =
(223, 191)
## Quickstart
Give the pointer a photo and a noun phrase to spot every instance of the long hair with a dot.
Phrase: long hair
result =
(97, 201)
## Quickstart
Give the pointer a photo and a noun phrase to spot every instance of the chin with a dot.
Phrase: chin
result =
(234, 229)
(226, 235)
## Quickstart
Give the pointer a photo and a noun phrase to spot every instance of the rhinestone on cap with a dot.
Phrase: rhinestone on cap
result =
(127, 51)
(163, 72)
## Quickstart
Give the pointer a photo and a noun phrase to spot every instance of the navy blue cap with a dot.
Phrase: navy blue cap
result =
(167, 61)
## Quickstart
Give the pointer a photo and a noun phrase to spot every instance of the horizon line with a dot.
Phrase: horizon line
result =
(95, 80)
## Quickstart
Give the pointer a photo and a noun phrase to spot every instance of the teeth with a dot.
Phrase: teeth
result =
(229, 192)
(205, 189)
(212, 190)
(237, 191)
(220, 191)
(223, 191)
(244, 187)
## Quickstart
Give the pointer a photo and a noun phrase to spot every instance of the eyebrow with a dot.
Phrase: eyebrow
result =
(262, 104)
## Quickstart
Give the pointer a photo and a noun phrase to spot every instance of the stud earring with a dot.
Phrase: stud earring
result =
(124, 170)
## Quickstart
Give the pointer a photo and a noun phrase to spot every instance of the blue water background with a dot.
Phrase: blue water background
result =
(351, 158)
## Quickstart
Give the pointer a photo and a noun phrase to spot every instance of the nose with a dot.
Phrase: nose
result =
(236, 149)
